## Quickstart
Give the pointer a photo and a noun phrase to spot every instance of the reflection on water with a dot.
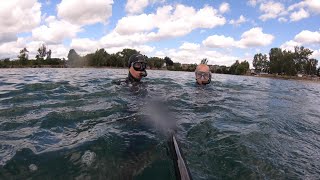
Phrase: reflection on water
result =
(77, 124)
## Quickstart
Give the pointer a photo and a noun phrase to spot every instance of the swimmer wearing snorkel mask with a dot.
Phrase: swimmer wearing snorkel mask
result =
(203, 74)
(137, 65)
(137, 68)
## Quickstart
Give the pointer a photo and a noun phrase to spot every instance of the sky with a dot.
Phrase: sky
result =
(184, 30)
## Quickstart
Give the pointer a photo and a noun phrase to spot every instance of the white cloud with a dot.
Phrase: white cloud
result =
(316, 54)
(19, 16)
(58, 50)
(160, 54)
(252, 3)
(115, 39)
(84, 45)
(289, 45)
(170, 21)
(85, 12)
(114, 42)
(134, 24)
(308, 37)
(311, 5)
(305, 37)
(239, 21)
(185, 19)
(190, 46)
(12, 49)
(251, 38)
(219, 41)
(224, 7)
(7, 37)
(255, 37)
(298, 15)
(136, 6)
(188, 57)
(296, 6)
(144, 49)
(271, 10)
(304, 9)
(55, 31)
(282, 19)
(297, 11)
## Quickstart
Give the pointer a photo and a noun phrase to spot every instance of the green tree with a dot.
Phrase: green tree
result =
(311, 66)
(260, 62)
(242, 68)
(222, 70)
(5, 63)
(112, 61)
(288, 63)
(155, 62)
(100, 58)
(159, 63)
(168, 60)
(234, 67)
(54, 62)
(192, 67)
(238, 68)
(88, 59)
(118, 60)
(126, 53)
(23, 56)
(175, 67)
(42, 52)
(276, 60)
(301, 58)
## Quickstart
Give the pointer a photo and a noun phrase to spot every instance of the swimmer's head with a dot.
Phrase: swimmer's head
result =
(203, 74)
(137, 66)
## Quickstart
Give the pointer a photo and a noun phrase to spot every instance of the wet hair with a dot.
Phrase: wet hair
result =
(136, 58)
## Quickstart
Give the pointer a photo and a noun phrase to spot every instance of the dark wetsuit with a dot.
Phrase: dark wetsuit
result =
(129, 79)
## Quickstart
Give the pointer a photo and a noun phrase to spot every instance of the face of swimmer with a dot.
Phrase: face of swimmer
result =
(137, 66)
(203, 74)
(138, 74)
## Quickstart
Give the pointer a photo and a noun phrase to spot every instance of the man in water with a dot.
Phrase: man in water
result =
(137, 69)
(203, 74)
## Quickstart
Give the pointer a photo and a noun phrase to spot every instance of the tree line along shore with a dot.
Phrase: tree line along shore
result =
(278, 63)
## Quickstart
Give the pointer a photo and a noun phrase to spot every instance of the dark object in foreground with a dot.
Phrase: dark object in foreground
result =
(181, 170)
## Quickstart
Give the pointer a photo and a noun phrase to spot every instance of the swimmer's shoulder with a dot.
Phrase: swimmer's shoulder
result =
(120, 81)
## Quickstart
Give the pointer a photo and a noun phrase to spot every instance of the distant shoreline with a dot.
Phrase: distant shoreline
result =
(283, 77)
(271, 76)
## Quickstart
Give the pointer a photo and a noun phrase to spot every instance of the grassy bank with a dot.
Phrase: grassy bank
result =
(285, 77)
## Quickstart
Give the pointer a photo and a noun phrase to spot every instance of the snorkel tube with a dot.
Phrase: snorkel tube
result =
(144, 73)
(181, 169)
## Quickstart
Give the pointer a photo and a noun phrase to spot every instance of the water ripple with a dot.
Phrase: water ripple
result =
(77, 124)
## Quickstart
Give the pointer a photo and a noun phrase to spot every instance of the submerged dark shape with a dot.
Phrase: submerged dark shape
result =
(181, 170)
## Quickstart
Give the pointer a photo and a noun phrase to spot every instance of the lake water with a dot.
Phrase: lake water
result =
(77, 124)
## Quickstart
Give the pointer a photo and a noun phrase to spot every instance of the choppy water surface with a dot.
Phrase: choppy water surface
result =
(77, 124)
